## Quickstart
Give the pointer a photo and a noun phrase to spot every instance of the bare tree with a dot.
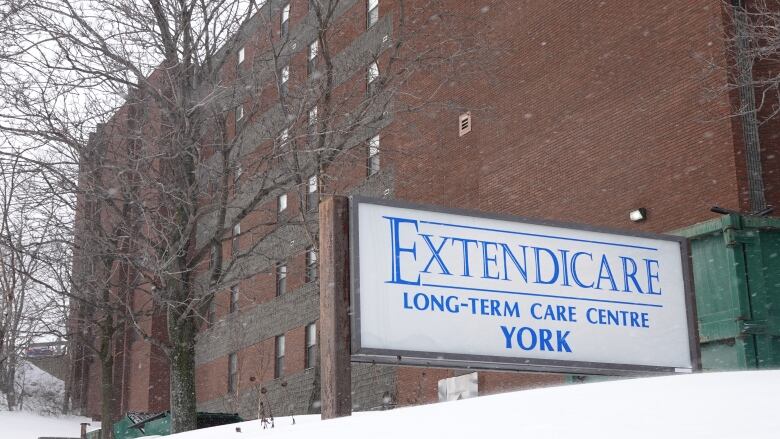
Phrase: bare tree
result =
(749, 73)
(23, 236)
(188, 147)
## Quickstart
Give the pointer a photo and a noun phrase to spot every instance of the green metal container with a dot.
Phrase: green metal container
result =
(135, 424)
(139, 424)
(736, 275)
(736, 272)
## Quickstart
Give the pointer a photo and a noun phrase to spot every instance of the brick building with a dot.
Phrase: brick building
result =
(582, 112)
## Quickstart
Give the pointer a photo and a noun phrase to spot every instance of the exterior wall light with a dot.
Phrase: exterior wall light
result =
(638, 215)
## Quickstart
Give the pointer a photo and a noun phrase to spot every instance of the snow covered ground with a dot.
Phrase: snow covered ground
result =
(26, 425)
(43, 393)
(41, 401)
(724, 405)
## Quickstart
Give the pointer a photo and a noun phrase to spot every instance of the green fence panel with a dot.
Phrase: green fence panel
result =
(736, 271)
(736, 275)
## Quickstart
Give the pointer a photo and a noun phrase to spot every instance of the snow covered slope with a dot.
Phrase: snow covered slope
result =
(43, 393)
(26, 425)
(41, 401)
(724, 405)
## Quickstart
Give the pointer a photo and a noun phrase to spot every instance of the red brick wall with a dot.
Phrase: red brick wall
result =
(582, 111)
(589, 111)
(583, 125)
(256, 366)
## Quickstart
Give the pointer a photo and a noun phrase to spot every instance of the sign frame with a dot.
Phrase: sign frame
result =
(360, 354)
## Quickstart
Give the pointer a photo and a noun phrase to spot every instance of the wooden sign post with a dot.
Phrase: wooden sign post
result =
(336, 371)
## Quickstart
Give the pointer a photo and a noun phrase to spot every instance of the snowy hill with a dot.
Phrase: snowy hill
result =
(42, 394)
(41, 402)
(26, 425)
(723, 405)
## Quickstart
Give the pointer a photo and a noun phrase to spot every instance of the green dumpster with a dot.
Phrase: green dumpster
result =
(736, 275)
(138, 424)
(736, 271)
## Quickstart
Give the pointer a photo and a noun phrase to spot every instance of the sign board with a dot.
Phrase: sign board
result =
(452, 288)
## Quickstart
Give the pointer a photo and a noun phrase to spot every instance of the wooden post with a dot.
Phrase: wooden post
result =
(335, 367)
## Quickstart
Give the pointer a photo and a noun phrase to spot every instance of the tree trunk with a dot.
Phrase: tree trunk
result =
(183, 401)
(106, 394)
(10, 398)
(10, 386)
(106, 356)
(65, 409)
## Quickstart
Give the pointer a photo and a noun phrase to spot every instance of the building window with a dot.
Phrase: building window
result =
(232, 373)
(237, 174)
(241, 55)
(279, 363)
(311, 345)
(313, 193)
(284, 77)
(211, 315)
(233, 299)
(234, 241)
(314, 48)
(372, 12)
(311, 264)
(285, 26)
(281, 206)
(281, 278)
(312, 124)
(372, 77)
(373, 155)
(213, 257)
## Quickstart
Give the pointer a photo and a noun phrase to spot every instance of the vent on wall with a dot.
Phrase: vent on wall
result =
(464, 123)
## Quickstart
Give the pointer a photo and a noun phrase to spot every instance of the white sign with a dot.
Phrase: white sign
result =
(457, 289)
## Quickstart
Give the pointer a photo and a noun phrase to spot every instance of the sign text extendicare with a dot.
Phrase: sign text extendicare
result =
(437, 284)
(499, 261)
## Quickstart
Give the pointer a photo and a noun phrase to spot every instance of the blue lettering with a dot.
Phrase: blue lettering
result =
(617, 317)
(527, 339)
(590, 320)
(465, 243)
(450, 307)
(483, 306)
(512, 311)
(563, 346)
(629, 274)
(545, 335)
(473, 301)
(435, 254)
(652, 275)
(565, 267)
(425, 301)
(605, 273)
(574, 275)
(396, 250)
(537, 260)
(520, 343)
(437, 302)
(494, 304)
(487, 258)
(534, 308)
(508, 335)
(521, 269)
(406, 301)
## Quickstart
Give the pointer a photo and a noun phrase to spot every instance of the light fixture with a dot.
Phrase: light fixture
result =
(638, 215)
